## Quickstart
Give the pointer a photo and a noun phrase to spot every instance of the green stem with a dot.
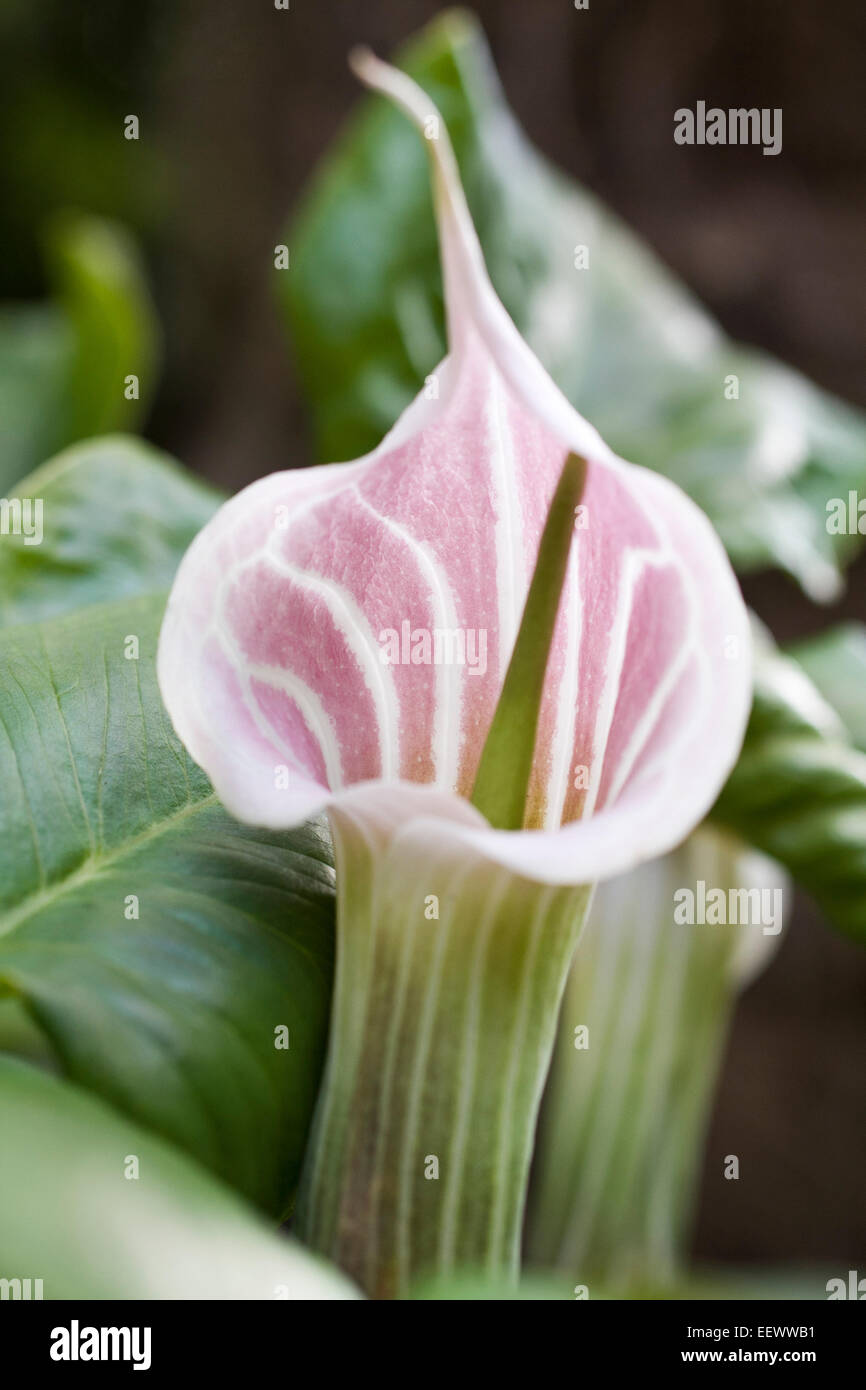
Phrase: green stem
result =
(623, 1121)
(441, 1038)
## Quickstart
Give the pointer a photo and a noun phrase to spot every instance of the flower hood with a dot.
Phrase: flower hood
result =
(299, 657)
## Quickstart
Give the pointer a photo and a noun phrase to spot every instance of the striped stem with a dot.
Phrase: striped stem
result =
(449, 976)
(624, 1116)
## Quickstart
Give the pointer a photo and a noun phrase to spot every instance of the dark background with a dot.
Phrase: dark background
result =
(238, 101)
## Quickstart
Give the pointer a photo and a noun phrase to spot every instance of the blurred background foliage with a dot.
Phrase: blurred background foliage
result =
(111, 245)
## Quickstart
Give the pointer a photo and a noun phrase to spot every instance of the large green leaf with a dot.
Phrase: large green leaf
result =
(63, 364)
(173, 1014)
(627, 343)
(73, 1215)
(798, 791)
(117, 516)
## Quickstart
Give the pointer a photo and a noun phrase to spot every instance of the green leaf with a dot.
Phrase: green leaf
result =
(798, 791)
(836, 662)
(63, 363)
(627, 343)
(103, 295)
(171, 1014)
(35, 351)
(505, 768)
(70, 1215)
(117, 515)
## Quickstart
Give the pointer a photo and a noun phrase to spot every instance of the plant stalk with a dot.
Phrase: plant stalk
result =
(449, 977)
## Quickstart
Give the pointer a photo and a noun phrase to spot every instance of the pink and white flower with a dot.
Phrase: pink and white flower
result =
(271, 653)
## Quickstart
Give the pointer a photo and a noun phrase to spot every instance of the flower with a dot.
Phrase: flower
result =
(298, 662)
(271, 654)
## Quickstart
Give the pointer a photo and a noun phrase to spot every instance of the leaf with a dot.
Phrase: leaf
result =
(627, 343)
(71, 1217)
(171, 1014)
(117, 517)
(798, 791)
(155, 1013)
(102, 293)
(34, 357)
(836, 662)
(63, 363)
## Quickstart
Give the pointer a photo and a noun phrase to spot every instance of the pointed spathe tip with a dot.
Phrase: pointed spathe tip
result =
(362, 62)
(399, 86)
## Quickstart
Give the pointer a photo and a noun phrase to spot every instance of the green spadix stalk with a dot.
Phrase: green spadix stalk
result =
(502, 780)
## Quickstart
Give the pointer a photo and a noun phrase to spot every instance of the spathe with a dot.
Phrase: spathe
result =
(270, 655)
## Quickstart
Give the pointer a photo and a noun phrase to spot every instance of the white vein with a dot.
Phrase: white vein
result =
(568, 697)
(447, 720)
(510, 565)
